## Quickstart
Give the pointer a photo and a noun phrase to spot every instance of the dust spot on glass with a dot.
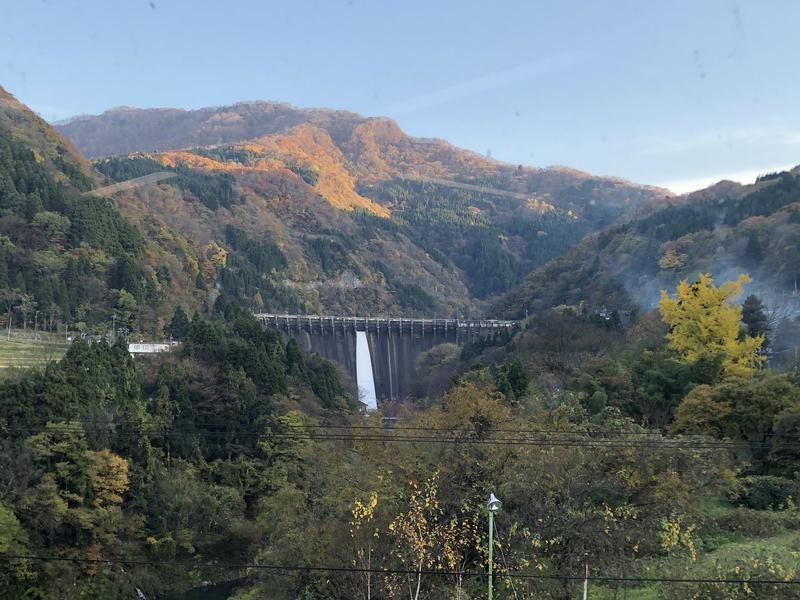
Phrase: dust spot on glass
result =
(699, 64)
(737, 17)
(516, 113)
(153, 5)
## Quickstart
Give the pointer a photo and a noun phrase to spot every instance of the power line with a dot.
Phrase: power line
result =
(572, 438)
(579, 439)
(585, 442)
(394, 428)
(431, 572)
(590, 434)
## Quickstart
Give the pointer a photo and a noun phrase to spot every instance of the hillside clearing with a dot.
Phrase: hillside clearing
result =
(26, 354)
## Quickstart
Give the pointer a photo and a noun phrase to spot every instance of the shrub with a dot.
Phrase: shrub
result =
(766, 491)
(745, 522)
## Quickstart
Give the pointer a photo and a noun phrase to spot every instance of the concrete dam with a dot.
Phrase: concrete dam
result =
(393, 344)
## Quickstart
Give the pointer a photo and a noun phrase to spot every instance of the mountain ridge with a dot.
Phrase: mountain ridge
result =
(466, 227)
(102, 144)
(725, 229)
(59, 152)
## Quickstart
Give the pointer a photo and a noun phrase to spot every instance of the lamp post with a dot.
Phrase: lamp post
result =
(493, 506)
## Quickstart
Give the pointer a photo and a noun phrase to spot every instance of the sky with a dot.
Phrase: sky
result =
(678, 93)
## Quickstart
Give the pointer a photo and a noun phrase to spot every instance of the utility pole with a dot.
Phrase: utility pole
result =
(585, 575)
(491, 544)
(493, 506)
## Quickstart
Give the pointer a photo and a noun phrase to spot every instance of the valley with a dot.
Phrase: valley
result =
(428, 229)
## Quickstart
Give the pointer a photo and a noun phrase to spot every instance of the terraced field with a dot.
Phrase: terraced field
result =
(21, 354)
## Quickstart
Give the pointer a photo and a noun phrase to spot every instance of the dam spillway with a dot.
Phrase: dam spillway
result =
(395, 343)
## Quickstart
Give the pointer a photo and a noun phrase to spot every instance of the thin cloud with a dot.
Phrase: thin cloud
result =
(683, 186)
(712, 139)
(486, 83)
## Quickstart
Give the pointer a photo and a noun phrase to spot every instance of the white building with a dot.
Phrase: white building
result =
(149, 347)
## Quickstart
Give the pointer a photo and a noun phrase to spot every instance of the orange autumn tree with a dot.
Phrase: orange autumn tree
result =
(108, 476)
(704, 321)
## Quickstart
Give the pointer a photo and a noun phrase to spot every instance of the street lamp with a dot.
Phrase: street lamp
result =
(493, 506)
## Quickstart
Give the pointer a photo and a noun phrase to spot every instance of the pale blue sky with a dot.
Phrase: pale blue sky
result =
(670, 92)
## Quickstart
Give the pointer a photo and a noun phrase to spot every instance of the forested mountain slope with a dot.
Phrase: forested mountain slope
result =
(420, 226)
(724, 230)
(69, 256)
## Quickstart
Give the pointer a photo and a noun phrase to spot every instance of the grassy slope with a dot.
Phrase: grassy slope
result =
(725, 534)
(23, 354)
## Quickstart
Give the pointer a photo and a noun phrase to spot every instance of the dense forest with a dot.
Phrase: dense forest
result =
(65, 256)
(493, 239)
(241, 467)
(71, 260)
(164, 460)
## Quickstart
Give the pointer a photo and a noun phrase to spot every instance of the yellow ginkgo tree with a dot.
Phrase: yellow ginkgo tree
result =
(704, 321)
(417, 533)
(364, 534)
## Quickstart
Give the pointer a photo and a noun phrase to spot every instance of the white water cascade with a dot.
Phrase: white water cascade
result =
(364, 377)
